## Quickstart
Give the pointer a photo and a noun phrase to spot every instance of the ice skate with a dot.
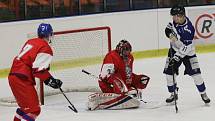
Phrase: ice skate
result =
(172, 97)
(205, 98)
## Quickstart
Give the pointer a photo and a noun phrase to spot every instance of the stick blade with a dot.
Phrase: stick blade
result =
(73, 109)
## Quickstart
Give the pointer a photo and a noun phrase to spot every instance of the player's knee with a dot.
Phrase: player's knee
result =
(35, 109)
(34, 112)
(33, 115)
(169, 79)
(198, 79)
(37, 112)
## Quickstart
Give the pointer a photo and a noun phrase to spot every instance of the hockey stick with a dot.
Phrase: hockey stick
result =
(88, 73)
(173, 77)
(71, 106)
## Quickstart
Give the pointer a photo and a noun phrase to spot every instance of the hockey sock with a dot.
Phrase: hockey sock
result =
(171, 88)
(199, 83)
(28, 118)
(23, 115)
(18, 115)
(201, 88)
(170, 84)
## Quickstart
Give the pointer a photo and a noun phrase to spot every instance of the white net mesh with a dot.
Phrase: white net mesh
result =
(74, 51)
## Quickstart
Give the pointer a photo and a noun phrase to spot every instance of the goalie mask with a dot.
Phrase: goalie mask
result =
(123, 48)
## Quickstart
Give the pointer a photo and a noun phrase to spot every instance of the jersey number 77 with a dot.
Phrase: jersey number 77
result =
(26, 48)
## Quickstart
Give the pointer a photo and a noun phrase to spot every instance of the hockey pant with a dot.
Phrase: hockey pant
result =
(26, 98)
(191, 68)
(99, 101)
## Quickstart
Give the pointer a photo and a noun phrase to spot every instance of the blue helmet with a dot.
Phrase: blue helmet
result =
(44, 30)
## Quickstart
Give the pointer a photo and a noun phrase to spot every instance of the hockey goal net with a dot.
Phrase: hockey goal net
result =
(75, 50)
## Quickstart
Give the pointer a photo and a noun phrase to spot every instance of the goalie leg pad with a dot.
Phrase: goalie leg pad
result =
(100, 101)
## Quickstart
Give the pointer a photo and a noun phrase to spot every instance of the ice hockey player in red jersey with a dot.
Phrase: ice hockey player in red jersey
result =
(117, 80)
(32, 62)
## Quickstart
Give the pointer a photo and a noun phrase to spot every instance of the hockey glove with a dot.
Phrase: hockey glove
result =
(173, 37)
(169, 30)
(54, 83)
(170, 33)
(174, 60)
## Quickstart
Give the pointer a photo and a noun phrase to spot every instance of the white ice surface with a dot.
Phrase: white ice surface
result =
(191, 107)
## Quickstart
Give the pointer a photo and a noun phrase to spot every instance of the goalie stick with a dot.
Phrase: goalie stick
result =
(71, 106)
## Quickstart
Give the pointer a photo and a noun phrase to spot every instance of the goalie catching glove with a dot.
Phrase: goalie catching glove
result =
(54, 83)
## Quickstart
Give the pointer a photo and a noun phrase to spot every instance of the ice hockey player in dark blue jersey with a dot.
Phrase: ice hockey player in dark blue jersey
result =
(181, 33)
